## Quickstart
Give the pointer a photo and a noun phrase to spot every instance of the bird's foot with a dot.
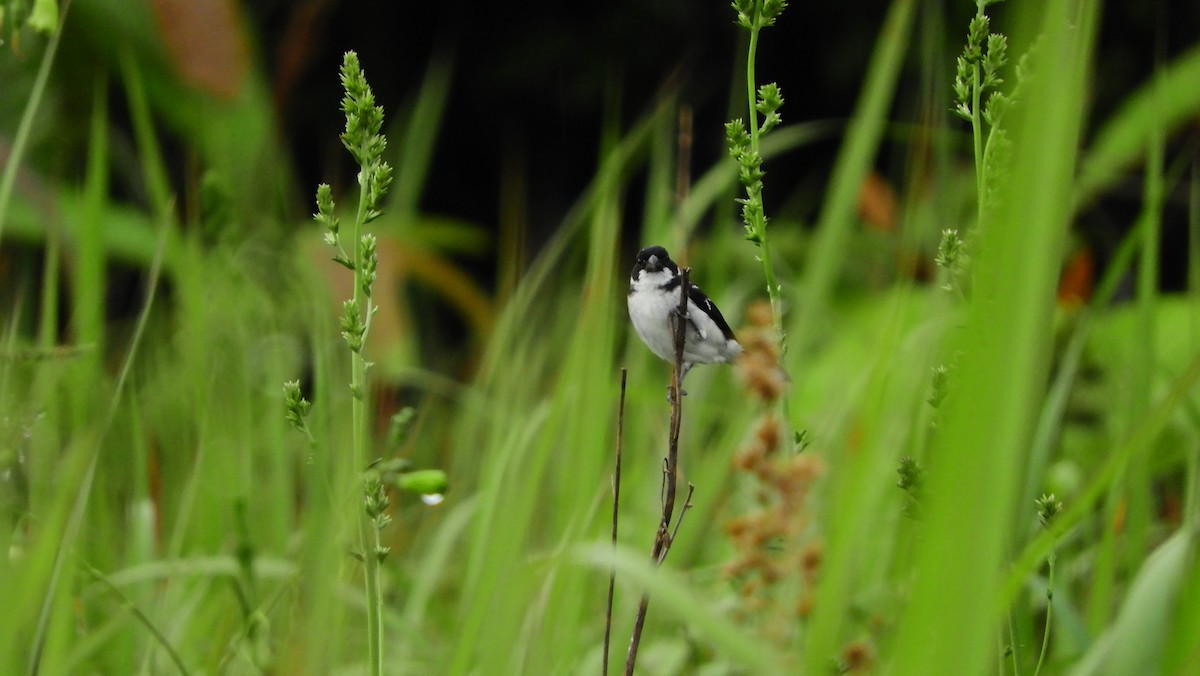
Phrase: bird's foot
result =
(670, 399)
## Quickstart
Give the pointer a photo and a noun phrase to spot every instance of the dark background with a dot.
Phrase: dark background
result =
(532, 86)
(532, 83)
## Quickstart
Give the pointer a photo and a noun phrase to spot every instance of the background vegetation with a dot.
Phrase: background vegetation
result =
(160, 278)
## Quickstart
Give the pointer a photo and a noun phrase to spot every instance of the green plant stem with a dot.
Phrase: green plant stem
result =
(977, 141)
(1049, 612)
(977, 127)
(760, 219)
(772, 287)
(374, 599)
(751, 99)
(369, 531)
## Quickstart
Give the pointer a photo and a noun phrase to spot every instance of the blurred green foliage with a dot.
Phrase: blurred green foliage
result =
(160, 277)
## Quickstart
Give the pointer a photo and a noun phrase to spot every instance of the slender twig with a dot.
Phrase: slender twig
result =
(662, 485)
(662, 537)
(687, 504)
(680, 326)
(612, 571)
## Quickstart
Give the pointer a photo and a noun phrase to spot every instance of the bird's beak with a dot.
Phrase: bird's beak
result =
(653, 262)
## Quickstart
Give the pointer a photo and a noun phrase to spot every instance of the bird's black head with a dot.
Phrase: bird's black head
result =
(653, 259)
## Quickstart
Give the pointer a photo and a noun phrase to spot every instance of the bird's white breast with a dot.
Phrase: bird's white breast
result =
(650, 310)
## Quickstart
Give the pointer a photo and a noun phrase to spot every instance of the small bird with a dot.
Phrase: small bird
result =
(654, 300)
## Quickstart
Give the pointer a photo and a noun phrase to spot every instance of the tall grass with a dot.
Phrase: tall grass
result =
(190, 530)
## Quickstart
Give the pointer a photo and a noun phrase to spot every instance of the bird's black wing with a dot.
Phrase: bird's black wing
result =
(709, 308)
(704, 303)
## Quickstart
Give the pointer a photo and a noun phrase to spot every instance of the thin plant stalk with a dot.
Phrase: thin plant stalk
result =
(1049, 615)
(663, 537)
(612, 574)
(369, 532)
(754, 15)
(759, 219)
(687, 504)
(977, 142)
(362, 138)
(1048, 507)
(763, 103)
(978, 71)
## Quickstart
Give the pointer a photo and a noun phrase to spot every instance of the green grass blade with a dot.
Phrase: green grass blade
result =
(83, 492)
(1164, 103)
(141, 617)
(417, 139)
(17, 154)
(949, 626)
(91, 283)
(1138, 441)
(835, 223)
(1136, 642)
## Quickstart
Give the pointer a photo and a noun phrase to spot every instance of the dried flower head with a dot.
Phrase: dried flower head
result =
(759, 368)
